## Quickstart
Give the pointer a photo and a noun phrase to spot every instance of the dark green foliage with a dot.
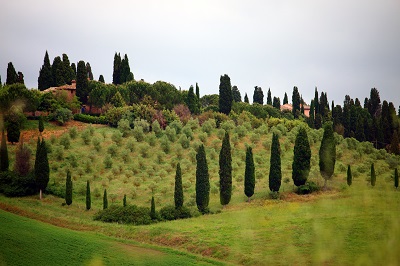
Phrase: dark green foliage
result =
(105, 200)
(101, 79)
(285, 99)
(202, 181)
(81, 82)
(349, 176)
(236, 94)
(88, 196)
(373, 175)
(258, 96)
(124, 201)
(89, 71)
(276, 103)
(246, 98)
(394, 145)
(57, 72)
(269, 97)
(12, 76)
(396, 178)
(68, 72)
(4, 162)
(327, 153)
(307, 188)
(14, 185)
(275, 171)
(117, 69)
(178, 194)
(249, 174)
(153, 214)
(91, 119)
(45, 79)
(13, 130)
(296, 101)
(225, 95)
(68, 189)
(124, 215)
(73, 67)
(170, 213)
(22, 165)
(301, 158)
(41, 124)
(192, 102)
(225, 171)
(374, 103)
(42, 169)
(62, 115)
(125, 70)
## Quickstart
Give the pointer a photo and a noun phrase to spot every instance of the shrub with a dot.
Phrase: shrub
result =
(73, 160)
(65, 141)
(203, 136)
(142, 123)
(112, 150)
(169, 213)
(108, 161)
(73, 132)
(126, 215)
(177, 125)
(14, 185)
(184, 141)
(170, 133)
(96, 143)
(208, 126)
(90, 119)
(156, 128)
(85, 135)
(152, 139)
(59, 153)
(188, 132)
(130, 145)
(124, 127)
(117, 137)
(307, 188)
(228, 125)
(138, 133)
(165, 144)
(62, 115)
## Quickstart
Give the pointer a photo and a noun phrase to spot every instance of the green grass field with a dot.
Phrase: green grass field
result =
(342, 226)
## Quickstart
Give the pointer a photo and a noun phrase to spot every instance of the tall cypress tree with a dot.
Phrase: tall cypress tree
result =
(178, 194)
(225, 171)
(68, 189)
(275, 171)
(269, 97)
(89, 71)
(202, 181)
(276, 103)
(373, 175)
(246, 98)
(153, 214)
(57, 72)
(81, 82)
(42, 169)
(285, 99)
(124, 201)
(4, 162)
(394, 145)
(258, 96)
(236, 94)
(125, 70)
(327, 153)
(225, 95)
(68, 72)
(249, 174)
(45, 78)
(296, 102)
(73, 67)
(101, 79)
(396, 178)
(105, 200)
(349, 176)
(88, 196)
(13, 130)
(191, 101)
(301, 158)
(117, 69)
(41, 125)
(12, 76)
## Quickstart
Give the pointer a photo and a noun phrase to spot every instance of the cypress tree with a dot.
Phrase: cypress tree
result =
(68, 189)
(191, 101)
(124, 201)
(68, 72)
(13, 131)
(45, 78)
(12, 76)
(249, 174)
(225, 95)
(396, 178)
(125, 70)
(285, 99)
(88, 197)
(225, 171)
(42, 169)
(301, 158)
(89, 71)
(269, 97)
(117, 69)
(236, 94)
(373, 175)
(349, 176)
(73, 67)
(246, 98)
(101, 79)
(105, 200)
(327, 153)
(198, 98)
(4, 162)
(275, 172)
(296, 102)
(258, 95)
(41, 125)
(202, 181)
(81, 82)
(178, 194)
(153, 215)
(57, 72)
(394, 145)
(276, 103)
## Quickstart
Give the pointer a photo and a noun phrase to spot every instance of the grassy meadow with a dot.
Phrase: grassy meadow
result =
(357, 225)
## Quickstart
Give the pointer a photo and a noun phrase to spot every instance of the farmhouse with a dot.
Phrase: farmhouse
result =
(289, 107)
(70, 89)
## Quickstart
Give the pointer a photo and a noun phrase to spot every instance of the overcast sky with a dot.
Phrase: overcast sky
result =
(341, 47)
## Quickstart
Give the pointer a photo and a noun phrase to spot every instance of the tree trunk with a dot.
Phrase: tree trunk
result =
(40, 194)
(248, 199)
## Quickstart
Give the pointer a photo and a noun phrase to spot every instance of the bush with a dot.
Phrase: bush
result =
(117, 137)
(86, 137)
(73, 132)
(14, 185)
(184, 141)
(177, 125)
(85, 118)
(169, 213)
(96, 143)
(124, 127)
(65, 141)
(156, 128)
(62, 115)
(170, 132)
(108, 161)
(307, 188)
(138, 133)
(130, 214)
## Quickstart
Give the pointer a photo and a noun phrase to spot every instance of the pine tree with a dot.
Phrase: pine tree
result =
(68, 189)
(246, 99)
(12, 76)
(105, 200)
(178, 194)
(373, 175)
(349, 176)
(81, 82)
(258, 96)
(41, 125)
(225, 95)
(249, 174)
(22, 164)
(88, 197)
(101, 79)
(236, 94)
(153, 214)
(396, 178)
(4, 162)
(301, 158)
(42, 169)
(275, 171)
(327, 153)
(117, 69)
(225, 171)
(269, 97)
(45, 79)
(124, 201)
(296, 102)
(285, 99)
(202, 181)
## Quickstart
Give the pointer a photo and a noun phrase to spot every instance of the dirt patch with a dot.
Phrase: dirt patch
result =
(135, 250)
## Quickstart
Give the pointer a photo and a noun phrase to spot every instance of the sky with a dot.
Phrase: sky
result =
(342, 47)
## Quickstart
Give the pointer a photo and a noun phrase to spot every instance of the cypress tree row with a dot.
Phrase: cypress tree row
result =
(349, 176)
(68, 189)
(327, 153)
(178, 194)
(225, 171)
(301, 158)
(396, 178)
(105, 200)
(275, 172)
(225, 95)
(373, 175)
(249, 174)
(153, 215)
(4, 163)
(88, 196)
(42, 169)
(202, 181)
(124, 201)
